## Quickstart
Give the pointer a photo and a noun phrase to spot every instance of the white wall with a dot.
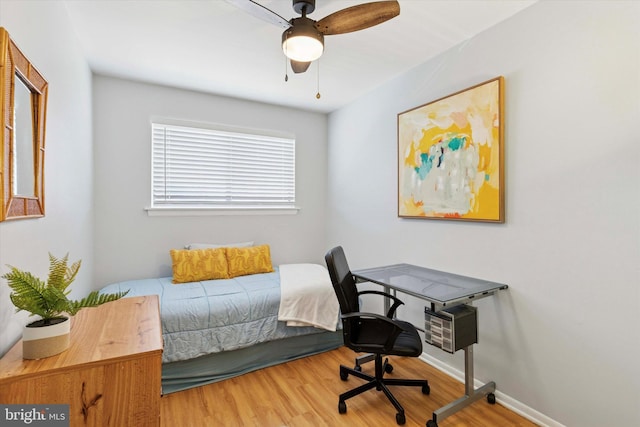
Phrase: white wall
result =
(41, 30)
(564, 338)
(129, 244)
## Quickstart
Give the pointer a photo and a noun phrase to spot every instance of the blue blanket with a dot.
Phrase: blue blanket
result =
(212, 316)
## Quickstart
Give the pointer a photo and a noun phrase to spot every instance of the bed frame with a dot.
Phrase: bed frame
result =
(186, 374)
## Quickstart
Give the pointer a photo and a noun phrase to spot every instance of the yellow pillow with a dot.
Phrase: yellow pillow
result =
(253, 260)
(199, 264)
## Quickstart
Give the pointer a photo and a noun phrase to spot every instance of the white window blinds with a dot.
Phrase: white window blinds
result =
(199, 167)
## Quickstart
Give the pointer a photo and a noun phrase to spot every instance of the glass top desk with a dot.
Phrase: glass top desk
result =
(442, 290)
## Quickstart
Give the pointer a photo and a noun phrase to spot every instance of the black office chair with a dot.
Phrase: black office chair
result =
(371, 333)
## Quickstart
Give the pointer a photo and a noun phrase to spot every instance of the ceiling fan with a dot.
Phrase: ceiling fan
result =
(303, 38)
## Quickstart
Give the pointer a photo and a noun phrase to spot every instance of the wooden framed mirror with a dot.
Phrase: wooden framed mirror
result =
(23, 108)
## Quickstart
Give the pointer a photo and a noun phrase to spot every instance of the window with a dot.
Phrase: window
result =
(208, 168)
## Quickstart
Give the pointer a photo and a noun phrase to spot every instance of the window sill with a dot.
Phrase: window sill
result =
(193, 211)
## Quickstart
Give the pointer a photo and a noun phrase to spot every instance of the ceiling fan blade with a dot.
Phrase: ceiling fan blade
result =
(299, 67)
(260, 12)
(358, 17)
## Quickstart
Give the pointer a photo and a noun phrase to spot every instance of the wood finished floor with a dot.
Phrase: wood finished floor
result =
(304, 393)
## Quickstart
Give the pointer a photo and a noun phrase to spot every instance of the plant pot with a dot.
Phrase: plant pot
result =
(40, 340)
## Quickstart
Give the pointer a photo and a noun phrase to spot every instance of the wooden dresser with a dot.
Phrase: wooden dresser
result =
(110, 375)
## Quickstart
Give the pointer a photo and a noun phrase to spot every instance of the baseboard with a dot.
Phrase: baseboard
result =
(501, 398)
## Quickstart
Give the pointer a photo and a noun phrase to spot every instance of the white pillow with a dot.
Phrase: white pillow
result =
(215, 246)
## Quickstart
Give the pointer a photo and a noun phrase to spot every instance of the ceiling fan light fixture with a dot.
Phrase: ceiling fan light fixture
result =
(302, 41)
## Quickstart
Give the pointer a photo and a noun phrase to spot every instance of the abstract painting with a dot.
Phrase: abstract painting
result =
(450, 156)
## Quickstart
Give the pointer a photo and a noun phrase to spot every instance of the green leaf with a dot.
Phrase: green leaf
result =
(28, 291)
(94, 299)
(58, 273)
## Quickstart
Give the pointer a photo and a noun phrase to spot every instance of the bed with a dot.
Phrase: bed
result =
(218, 329)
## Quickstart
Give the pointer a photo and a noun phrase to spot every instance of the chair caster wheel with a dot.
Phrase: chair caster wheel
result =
(426, 389)
(491, 398)
(342, 407)
(344, 374)
(388, 368)
(400, 419)
(432, 423)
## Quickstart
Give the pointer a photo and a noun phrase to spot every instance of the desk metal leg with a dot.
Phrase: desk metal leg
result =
(470, 395)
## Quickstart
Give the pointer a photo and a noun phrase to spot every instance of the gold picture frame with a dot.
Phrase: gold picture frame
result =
(23, 110)
(451, 156)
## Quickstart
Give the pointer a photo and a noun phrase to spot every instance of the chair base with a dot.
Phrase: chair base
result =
(380, 383)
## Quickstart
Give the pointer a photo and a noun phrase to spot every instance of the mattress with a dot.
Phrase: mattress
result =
(213, 316)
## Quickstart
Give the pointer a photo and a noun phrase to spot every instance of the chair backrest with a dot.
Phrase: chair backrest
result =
(361, 333)
(344, 285)
(342, 280)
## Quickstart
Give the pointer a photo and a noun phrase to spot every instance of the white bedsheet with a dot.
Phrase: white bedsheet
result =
(307, 297)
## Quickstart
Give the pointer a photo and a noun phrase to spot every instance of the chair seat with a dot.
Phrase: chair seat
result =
(408, 343)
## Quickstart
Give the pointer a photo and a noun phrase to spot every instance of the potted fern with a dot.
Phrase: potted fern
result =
(50, 334)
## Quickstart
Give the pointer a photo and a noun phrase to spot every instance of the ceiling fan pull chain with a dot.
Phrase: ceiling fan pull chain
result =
(286, 76)
(318, 94)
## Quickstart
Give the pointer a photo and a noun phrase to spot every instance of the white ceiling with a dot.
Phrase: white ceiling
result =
(212, 46)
